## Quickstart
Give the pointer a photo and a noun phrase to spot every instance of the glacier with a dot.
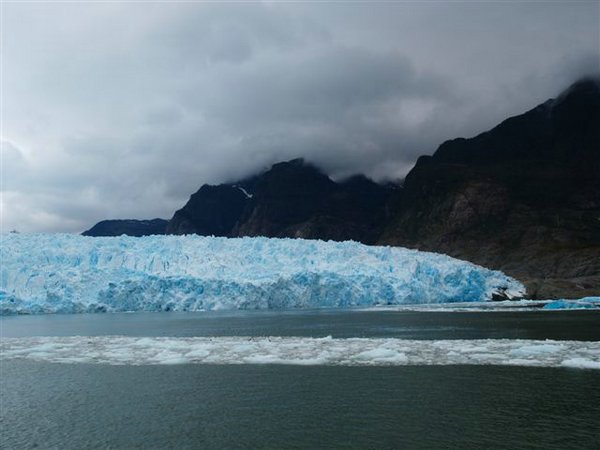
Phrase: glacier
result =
(64, 273)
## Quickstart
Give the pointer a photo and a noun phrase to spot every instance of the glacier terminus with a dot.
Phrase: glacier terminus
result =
(63, 273)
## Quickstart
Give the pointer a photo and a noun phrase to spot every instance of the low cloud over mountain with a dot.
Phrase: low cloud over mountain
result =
(120, 110)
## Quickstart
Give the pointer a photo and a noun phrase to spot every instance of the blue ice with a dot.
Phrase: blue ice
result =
(583, 303)
(63, 273)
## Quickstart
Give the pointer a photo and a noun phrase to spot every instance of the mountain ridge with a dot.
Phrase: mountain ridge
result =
(130, 227)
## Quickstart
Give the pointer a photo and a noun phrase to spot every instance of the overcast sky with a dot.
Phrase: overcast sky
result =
(122, 110)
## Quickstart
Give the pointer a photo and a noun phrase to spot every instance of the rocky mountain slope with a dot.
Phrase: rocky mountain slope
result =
(292, 199)
(523, 197)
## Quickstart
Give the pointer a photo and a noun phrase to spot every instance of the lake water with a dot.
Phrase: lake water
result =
(123, 401)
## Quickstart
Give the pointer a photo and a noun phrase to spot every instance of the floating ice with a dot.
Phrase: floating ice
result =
(582, 363)
(477, 307)
(119, 350)
(582, 303)
(62, 273)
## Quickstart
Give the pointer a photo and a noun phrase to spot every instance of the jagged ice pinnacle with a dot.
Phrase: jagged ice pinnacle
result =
(60, 273)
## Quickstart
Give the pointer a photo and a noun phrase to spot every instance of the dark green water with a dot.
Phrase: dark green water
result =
(561, 325)
(194, 406)
(80, 406)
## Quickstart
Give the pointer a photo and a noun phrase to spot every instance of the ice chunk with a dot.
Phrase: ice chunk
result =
(583, 303)
(581, 363)
(532, 351)
(60, 273)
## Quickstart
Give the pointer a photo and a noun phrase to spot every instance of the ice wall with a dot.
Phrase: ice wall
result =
(60, 273)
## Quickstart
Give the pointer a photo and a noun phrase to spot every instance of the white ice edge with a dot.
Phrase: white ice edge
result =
(120, 350)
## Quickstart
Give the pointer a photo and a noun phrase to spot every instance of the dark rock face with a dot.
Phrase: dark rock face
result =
(292, 199)
(129, 227)
(284, 199)
(213, 210)
(523, 197)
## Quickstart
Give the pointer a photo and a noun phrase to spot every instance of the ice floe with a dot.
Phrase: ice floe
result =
(120, 350)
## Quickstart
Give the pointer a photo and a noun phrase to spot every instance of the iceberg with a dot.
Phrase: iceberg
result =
(582, 303)
(62, 273)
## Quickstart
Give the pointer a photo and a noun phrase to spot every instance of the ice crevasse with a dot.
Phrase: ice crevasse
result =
(62, 273)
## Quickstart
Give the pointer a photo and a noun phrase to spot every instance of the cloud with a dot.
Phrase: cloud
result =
(122, 110)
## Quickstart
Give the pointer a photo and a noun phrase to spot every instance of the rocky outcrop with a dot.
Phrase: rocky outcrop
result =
(213, 210)
(129, 227)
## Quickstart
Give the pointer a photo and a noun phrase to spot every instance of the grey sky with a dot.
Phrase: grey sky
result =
(122, 110)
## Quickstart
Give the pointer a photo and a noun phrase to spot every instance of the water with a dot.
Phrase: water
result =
(563, 325)
(75, 406)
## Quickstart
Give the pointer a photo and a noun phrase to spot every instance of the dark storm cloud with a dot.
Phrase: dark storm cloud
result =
(122, 110)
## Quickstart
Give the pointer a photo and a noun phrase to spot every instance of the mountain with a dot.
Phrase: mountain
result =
(129, 227)
(523, 197)
(291, 199)
(213, 210)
